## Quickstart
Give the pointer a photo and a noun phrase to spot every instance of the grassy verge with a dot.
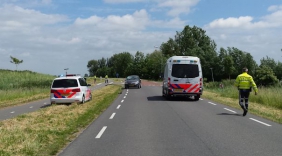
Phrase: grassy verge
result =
(48, 130)
(19, 96)
(259, 109)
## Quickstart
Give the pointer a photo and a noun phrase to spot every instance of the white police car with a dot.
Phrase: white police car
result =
(70, 89)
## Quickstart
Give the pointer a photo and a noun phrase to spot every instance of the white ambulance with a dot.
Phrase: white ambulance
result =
(183, 77)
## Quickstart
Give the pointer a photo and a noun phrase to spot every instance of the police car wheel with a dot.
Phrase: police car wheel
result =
(83, 100)
(90, 98)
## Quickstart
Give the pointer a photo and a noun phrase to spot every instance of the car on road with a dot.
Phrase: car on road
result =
(132, 81)
(70, 89)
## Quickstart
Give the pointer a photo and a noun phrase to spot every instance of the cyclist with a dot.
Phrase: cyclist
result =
(106, 79)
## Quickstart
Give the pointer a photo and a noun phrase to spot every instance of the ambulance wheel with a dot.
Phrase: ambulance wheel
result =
(196, 98)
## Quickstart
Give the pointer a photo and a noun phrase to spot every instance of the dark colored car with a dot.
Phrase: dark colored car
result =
(132, 81)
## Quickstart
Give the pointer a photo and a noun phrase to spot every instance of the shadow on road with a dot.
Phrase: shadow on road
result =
(155, 98)
(178, 99)
(229, 114)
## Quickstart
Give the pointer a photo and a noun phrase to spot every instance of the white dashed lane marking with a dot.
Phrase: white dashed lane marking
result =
(31, 107)
(260, 122)
(13, 112)
(211, 103)
(118, 106)
(230, 110)
(122, 101)
(101, 132)
(113, 115)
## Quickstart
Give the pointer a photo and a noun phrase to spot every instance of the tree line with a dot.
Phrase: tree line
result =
(191, 41)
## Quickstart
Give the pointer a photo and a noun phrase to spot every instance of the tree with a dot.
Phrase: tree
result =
(265, 76)
(278, 70)
(275, 66)
(16, 61)
(242, 59)
(92, 67)
(121, 63)
(192, 41)
(228, 65)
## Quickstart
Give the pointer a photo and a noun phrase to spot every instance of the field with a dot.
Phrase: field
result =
(267, 104)
(23, 86)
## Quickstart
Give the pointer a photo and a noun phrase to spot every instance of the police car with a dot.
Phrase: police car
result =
(69, 89)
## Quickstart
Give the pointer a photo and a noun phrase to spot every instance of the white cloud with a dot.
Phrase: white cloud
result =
(47, 46)
(15, 16)
(137, 21)
(260, 38)
(178, 7)
(46, 1)
(123, 1)
(274, 8)
(247, 22)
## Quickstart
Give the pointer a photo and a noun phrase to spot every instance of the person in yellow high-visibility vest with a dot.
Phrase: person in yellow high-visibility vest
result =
(95, 79)
(106, 79)
(244, 82)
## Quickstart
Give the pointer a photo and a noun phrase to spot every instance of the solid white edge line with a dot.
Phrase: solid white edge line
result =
(113, 115)
(260, 122)
(211, 103)
(118, 106)
(99, 83)
(101, 132)
(230, 110)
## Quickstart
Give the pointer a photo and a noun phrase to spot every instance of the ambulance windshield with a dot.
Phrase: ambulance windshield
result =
(185, 70)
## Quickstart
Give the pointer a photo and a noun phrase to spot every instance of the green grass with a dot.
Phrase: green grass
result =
(266, 104)
(270, 97)
(47, 131)
(11, 80)
(23, 86)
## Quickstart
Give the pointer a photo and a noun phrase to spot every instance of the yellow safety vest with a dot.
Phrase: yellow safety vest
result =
(245, 81)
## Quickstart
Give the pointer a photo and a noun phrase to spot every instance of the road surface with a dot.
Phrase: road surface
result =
(141, 122)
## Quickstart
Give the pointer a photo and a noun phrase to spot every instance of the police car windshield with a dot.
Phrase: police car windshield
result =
(185, 70)
(65, 83)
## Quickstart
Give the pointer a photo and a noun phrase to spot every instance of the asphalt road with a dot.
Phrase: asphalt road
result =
(10, 112)
(142, 123)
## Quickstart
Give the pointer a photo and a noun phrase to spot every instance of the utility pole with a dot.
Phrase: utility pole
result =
(212, 75)
(156, 47)
(66, 69)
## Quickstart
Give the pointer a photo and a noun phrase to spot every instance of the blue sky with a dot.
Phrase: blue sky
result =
(50, 35)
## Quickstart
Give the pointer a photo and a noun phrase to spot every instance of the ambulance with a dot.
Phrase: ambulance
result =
(183, 77)
(68, 89)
